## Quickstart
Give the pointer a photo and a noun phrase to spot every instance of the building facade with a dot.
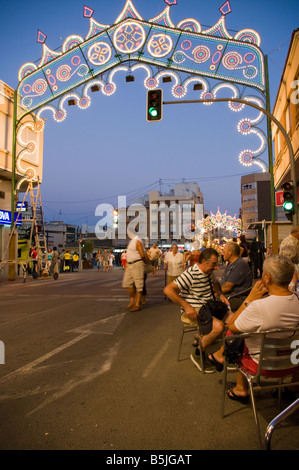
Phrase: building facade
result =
(29, 152)
(255, 200)
(286, 111)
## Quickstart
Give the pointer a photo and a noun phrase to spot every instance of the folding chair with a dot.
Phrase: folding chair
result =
(278, 420)
(276, 350)
(244, 292)
(185, 329)
(188, 329)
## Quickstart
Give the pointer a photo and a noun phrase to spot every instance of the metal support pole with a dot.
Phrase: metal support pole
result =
(269, 138)
(12, 243)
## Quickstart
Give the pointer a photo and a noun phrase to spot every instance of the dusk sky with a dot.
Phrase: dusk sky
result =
(110, 149)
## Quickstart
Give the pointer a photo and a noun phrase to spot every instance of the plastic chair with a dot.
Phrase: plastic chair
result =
(275, 363)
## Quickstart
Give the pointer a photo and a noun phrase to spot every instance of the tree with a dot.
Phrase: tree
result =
(88, 247)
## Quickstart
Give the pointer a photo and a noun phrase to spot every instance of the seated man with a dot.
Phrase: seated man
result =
(191, 290)
(237, 276)
(279, 309)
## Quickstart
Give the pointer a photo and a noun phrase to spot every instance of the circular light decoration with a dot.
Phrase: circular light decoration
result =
(30, 147)
(150, 83)
(190, 24)
(99, 53)
(201, 54)
(30, 173)
(232, 60)
(84, 102)
(248, 35)
(207, 96)
(109, 89)
(250, 72)
(39, 125)
(82, 70)
(246, 158)
(63, 73)
(26, 102)
(178, 57)
(129, 37)
(179, 91)
(236, 106)
(39, 86)
(244, 126)
(59, 115)
(26, 69)
(160, 45)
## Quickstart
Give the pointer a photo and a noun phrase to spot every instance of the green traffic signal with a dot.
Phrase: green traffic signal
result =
(153, 111)
(288, 206)
(154, 105)
(288, 198)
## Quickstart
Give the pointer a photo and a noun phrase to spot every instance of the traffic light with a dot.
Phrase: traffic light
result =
(154, 105)
(288, 200)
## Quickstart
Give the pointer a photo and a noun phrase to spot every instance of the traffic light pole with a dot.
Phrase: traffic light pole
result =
(278, 124)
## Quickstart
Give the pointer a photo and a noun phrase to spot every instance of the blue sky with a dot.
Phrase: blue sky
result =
(110, 149)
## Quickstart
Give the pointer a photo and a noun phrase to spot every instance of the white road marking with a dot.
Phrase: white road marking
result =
(83, 331)
(157, 358)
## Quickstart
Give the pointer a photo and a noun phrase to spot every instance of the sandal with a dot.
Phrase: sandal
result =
(231, 394)
(136, 308)
(218, 365)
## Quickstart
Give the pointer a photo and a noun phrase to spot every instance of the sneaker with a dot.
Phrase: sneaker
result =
(195, 358)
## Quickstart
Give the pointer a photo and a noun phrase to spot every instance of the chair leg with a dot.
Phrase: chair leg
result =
(180, 345)
(254, 413)
(224, 380)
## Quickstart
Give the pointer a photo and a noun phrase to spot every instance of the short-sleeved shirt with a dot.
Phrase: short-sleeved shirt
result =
(239, 274)
(289, 247)
(271, 312)
(195, 286)
(175, 263)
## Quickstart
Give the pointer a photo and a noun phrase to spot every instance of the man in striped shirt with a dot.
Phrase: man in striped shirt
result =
(191, 290)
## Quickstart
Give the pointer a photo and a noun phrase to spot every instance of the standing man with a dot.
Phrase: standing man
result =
(54, 263)
(173, 263)
(289, 247)
(105, 261)
(237, 276)
(154, 254)
(133, 279)
(191, 290)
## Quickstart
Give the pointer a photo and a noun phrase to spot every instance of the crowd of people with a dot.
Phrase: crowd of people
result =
(258, 288)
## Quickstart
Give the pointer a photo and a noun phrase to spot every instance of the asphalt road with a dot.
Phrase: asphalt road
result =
(81, 372)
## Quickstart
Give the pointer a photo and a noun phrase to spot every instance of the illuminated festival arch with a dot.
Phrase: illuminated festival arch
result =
(159, 48)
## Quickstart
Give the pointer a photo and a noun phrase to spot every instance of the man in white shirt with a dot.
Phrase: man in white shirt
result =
(280, 309)
(154, 254)
(133, 279)
(173, 263)
(289, 247)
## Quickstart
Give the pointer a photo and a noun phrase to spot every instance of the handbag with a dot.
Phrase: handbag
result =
(217, 308)
(148, 268)
(233, 349)
(212, 308)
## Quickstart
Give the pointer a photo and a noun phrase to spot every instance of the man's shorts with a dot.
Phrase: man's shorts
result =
(134, 275)
(154, 262)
